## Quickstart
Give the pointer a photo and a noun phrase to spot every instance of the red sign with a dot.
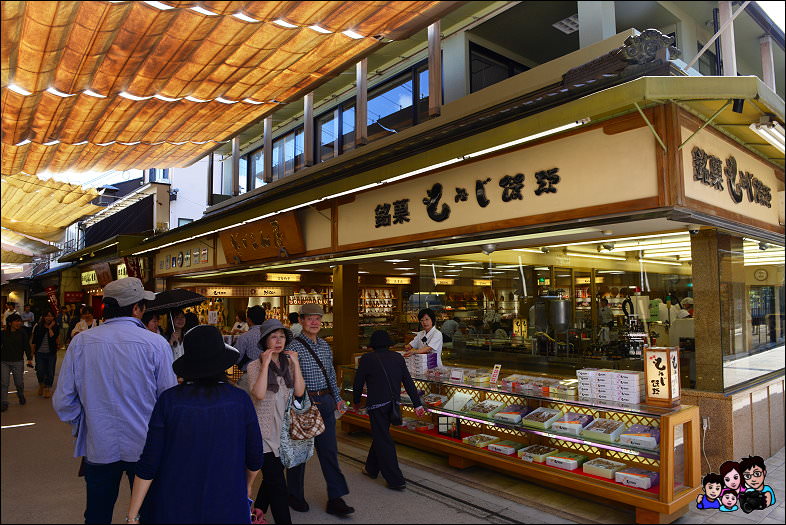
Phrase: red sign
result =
(132, 267)
(73, 297)
(51, 291)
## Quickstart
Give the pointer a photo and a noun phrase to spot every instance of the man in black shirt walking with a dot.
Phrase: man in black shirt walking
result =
(15, 345)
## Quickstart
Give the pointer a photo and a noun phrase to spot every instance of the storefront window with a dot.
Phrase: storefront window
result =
(752, 309)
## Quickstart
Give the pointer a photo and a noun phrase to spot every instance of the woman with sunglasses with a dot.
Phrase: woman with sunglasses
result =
(428, 340)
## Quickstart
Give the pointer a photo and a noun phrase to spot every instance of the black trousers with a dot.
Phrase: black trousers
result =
(327, 452)
(273, 490)
(382, 456)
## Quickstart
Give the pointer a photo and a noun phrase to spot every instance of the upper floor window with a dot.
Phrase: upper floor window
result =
(708, 62)
(487, 67)
(256, 168)
(158, 175)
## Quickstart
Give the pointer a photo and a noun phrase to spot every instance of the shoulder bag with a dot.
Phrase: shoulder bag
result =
(293, 452)
(395, 412)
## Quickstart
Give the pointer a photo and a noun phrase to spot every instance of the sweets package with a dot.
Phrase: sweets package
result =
(536, 453)
(601, 429)
(438, 374)
(459, 402)
(605, 468)
(642, 436)
(541, 417)
(566, 460)
(572, 423)
(506, 447)
(449, 426)
(512, 413)
(434, 400)
(480, 440)
(636, 477)
(485, 408)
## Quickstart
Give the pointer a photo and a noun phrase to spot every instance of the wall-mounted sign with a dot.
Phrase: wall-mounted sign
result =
(203, 259)
(122, 271)
(398, 280)
(481, 282)
(710, 170)
(520, 327)
(180, 258)
(662, 375)
(279, 237)
(444, 281)
(187, 258)
(73, 297)
(587, 280)
(195, 256)
(283, 277)
(212, 317)
(241, 291)
(89, 278)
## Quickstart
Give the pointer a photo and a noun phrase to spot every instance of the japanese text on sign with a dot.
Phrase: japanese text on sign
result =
(709, 170)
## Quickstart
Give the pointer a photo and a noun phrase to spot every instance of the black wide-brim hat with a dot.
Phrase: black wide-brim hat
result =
(205, 354)
(380, 339)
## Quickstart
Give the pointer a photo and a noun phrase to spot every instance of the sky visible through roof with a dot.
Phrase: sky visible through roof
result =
(775, 10)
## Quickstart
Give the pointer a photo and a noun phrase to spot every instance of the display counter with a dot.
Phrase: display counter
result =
(477, 424)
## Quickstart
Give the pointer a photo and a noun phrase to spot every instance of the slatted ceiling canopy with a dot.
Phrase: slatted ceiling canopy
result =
(126, 85)
(18, 241)
(43, 208)
(8, 256)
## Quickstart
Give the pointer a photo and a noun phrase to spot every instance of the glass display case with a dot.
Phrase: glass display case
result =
(516, 427)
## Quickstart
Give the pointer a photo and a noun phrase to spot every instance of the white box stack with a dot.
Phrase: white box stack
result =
(629, 386)
(624, 386)
(586, 387)
(417, 364)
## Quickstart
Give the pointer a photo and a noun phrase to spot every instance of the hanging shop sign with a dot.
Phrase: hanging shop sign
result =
(133, 267)
(398, 280)
(662, 375)
(718, 173)
(240, 291)
(104, 273)
(73, 297)
(481, 282)
(283, 277)
(89, 278)
(51, 292)
(534, 181)
(279, 236)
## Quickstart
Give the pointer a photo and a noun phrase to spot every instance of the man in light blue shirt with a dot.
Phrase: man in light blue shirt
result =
(109, 382)
(247, 344)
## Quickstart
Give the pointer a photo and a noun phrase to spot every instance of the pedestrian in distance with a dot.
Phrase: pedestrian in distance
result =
(247, 344)
(175, 331)
(109, 381)
(10, 308)
(276, 385)
(383, 372)
(44, 347)
(150, 320)
(240, 326)
(294, 323)
(86, 321)
(28, 319)
(15, 346)
(203, 448)
(316, 363)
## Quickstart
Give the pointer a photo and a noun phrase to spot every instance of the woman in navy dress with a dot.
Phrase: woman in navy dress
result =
(203, 447)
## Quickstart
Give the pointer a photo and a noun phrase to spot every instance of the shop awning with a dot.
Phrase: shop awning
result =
(43, 208)
(102, 86)
(120, 244)
(701, 95)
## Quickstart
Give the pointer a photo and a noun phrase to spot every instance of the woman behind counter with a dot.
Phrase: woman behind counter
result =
(427, 340)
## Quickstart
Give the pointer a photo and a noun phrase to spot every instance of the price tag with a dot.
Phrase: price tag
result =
(495, 374)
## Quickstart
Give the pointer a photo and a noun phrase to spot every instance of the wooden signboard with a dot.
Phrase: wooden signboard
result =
(278, 236)
(662, 374)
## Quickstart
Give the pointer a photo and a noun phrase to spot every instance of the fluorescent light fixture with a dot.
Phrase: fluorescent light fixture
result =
(611, 272)
(284, 23)
(410, 273)
(20, 90)
(422, 170)
(129, 96)
(319, 29)
(651, 245)
(304, 270)
(542, 268)
(203, 11)
(91, 93)
(166, 99)
(528, 250)
(403, 269)
(351, 34)
(245, 18)
(772, 132)
(618, 239)
(530, 138)
(593, 256)
(225, 101)
(54, 91)
(362, 271)
(19, 425)
(396, 260)
(160, 5)
(669, 263)
(460, 263)
(26, 141)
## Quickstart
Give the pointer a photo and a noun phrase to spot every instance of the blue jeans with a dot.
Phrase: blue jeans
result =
(103, 484)
(327, 452)
(45, 368)
(18, 369)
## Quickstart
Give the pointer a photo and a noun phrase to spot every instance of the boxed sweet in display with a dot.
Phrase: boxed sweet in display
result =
(565, 387)
(637, 477)
(424, 426)
(438, 374)
(537, 453)
(486, 408)
(459, 401)
(605, 468)
(566, 460)
(434, 400)
(449, 426)
(508, 448)
(512, 382)
(480, 440)
(608, 430)
(541, 417)
(641, 436)
(572, 423)
(512, 413)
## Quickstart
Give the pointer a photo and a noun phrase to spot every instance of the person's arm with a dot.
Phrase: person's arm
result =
(259, 387)
(297, 374)
(141, 486)
(26, 347)
(65, 400)
(360, 380)
(164, 375)
(254, 448)
(435, 344)
(32, 339)
(251, 475)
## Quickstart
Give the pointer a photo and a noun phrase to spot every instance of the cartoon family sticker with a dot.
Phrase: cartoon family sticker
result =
(738, 486)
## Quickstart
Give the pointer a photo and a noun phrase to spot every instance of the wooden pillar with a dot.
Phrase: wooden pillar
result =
(361, 104)
(728, 50)
(268, 148)
(345, 313)
(308, 129)
(235, 165)
(434, 70)
(767, 61)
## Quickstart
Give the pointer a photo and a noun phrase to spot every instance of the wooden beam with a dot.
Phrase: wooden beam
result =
(728, 50)
(767, 61)
(361, 104)
(308, 129)
(268, 148)
(434, 70)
